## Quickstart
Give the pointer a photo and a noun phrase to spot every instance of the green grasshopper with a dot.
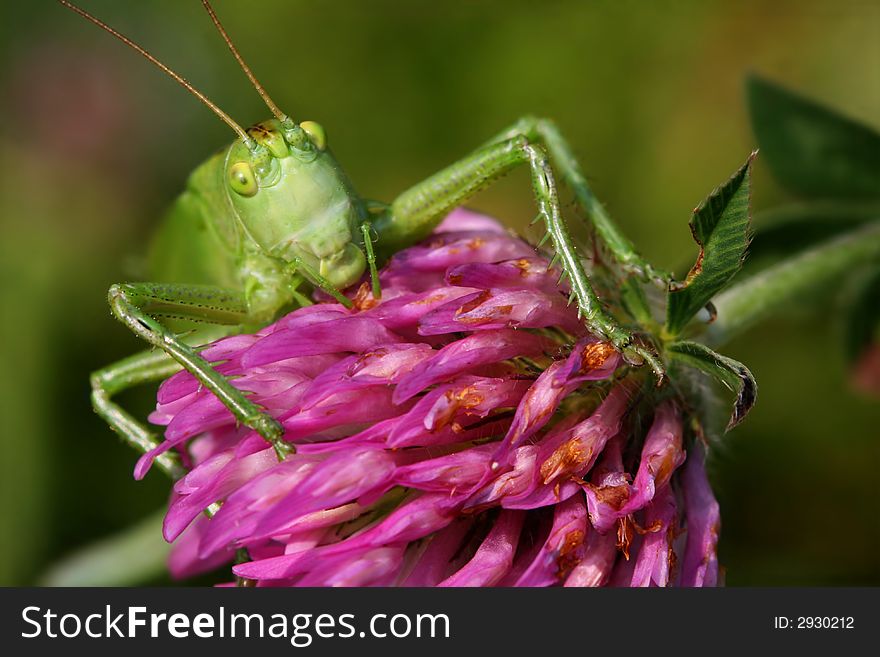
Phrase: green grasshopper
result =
(272, 217)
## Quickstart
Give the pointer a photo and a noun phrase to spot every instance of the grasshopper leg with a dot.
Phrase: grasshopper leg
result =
(137, 305)
(144, 367)
(415, 213)
(366, 231)
(545, 132)
(314, 277)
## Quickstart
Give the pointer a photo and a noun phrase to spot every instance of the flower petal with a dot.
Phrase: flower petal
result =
(244, 508)
(210, 482)
(376, 567)
(700, 563)
(413, 520)
(442, 415)
(185, 561)
(434, 563)
(597, 561)
(494, 557)
(345, 334)
(341, 478)
(662, 453)
(656, 556)
(458, 471)
(484, 348)
(564, 548)
(341, 412)
(516, 274)
(445, 250)
(581, 445)
(590, 360)
(464, 219)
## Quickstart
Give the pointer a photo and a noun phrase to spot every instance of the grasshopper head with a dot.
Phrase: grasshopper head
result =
(289, 194)
(293, 199)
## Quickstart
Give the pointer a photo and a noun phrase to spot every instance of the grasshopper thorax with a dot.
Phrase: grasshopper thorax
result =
(293, 200)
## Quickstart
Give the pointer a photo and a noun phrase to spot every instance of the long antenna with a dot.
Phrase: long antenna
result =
(180, 79)
(281, 116)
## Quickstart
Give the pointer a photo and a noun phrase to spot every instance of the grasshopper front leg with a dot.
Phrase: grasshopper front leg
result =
(137, 305)
(415, 213)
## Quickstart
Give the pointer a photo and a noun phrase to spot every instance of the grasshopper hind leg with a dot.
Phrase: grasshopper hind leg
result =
(144, 367)
(622, 250)
(418, 210)
(589, 306)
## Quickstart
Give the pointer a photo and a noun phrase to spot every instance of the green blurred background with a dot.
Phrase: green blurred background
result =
(94, 143)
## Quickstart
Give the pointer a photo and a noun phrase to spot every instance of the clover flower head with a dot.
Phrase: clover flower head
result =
(463, 430)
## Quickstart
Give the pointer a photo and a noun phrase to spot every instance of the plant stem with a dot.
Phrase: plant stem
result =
(754, 299)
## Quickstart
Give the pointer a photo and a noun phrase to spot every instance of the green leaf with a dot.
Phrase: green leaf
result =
(863, 315)
(735, 376)
(133, 556)
(720, 226)
(813, 151)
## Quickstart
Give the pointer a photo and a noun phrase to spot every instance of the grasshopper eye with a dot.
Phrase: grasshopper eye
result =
(242, 179)
(316, 133)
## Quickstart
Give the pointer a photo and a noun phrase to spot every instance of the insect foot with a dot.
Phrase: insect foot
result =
(638, 354)
(647, 272)
(633, 350)
(273, 433)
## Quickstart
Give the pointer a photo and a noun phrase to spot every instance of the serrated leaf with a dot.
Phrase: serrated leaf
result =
(720, 226)
(735, 376)
(813, 151)
(862, 316)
